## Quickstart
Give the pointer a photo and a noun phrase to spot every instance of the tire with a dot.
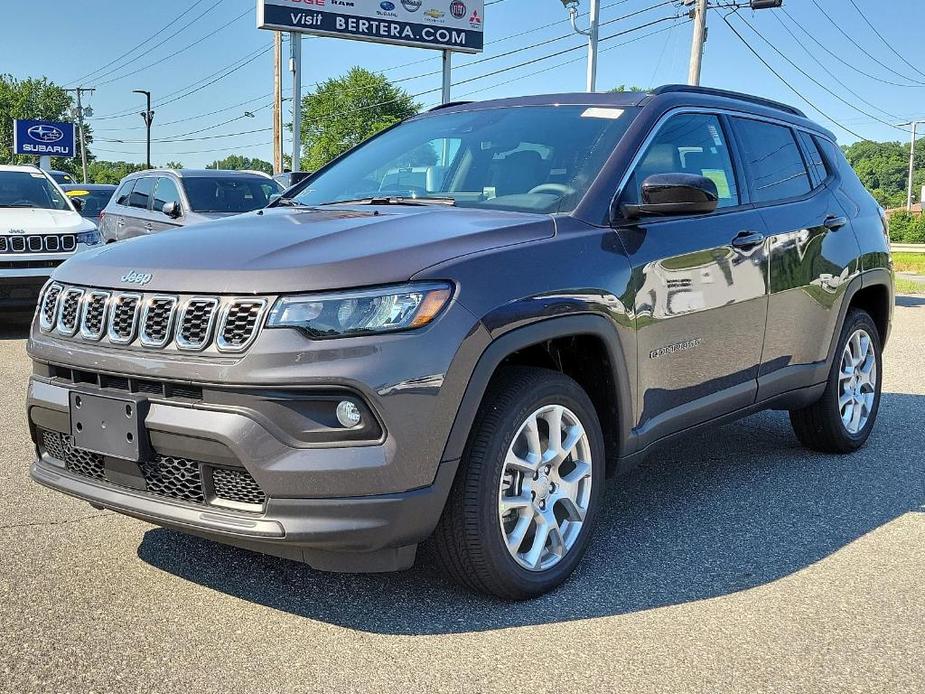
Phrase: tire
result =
(821, 426)
(470, 539)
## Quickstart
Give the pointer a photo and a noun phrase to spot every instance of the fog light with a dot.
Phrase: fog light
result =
(348, 414)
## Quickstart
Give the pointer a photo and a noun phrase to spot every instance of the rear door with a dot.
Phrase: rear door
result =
(701, 285)
(113, 221)
(138, 220)
(812, 252)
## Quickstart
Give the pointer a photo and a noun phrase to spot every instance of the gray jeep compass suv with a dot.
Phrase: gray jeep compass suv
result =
(459, 329)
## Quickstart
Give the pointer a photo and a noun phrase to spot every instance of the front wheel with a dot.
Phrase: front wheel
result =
(844, 416)
(526, 497)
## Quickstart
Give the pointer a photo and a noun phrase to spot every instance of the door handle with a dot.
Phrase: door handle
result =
(148, 226)
(748, 239)
(834, 222)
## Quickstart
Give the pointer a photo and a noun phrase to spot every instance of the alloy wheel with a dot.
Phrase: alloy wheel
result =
(545, 488)
(857, 381)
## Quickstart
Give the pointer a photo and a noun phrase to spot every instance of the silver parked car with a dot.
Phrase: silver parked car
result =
(151, 201)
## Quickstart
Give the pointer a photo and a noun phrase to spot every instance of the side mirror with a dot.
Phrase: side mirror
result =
(171, 209)
(674, 194)
(78, 203)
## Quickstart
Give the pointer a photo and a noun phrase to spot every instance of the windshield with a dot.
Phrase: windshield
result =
(94, 200)
(534, 159)
(27, 189)
(230, 193)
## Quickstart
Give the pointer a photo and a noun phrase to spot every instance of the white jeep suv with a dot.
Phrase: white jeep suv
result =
(40, 228)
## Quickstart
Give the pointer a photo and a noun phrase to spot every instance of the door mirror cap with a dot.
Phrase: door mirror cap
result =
(171, 209)
(674, 194)
(78, 203)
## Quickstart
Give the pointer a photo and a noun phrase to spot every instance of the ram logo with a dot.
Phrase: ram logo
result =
(45, 133)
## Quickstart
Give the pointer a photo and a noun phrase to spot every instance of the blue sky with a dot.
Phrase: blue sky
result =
(224, 35)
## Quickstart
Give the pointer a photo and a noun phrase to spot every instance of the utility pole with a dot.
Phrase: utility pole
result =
(447, 77)
(148, 116)
(699, 38)
(277, 102)
(295, 66)
(699, 17)
(914, 125)
(80, 126)
(591, 32)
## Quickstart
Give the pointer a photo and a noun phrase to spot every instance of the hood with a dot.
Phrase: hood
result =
(32, 220)
(282, 250)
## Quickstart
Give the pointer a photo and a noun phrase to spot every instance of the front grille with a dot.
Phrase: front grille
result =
(153, 321)
(38, 243)
(123, 318)
(237, 485)
(239, 326)
(157, 320)
(196, 322)
(165, 475)
(69, 313)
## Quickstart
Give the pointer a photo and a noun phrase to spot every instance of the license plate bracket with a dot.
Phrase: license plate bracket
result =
(110, 426)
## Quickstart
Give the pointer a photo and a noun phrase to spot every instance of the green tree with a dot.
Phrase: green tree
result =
(34, 98)
(173, 165)
(100, 171)
(883, 168)
(236, 162)
(344, 111)
(623, 88)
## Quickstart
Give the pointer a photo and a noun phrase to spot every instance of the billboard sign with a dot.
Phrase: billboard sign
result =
(454, 25)
(44, 138)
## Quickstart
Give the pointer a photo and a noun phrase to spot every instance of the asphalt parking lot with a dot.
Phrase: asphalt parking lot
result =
(736, 561)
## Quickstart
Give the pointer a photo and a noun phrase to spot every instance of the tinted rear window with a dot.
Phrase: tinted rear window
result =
(94, 202)
(228, 194)
(773, 161)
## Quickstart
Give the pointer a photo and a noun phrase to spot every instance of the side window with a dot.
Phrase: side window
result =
(814, 157)
(166, 191)
(688, 143)
(144, 190)
(125, 191)
(772, 160)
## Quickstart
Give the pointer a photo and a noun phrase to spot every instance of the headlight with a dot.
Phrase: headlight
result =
(362, 311)
(89, 238)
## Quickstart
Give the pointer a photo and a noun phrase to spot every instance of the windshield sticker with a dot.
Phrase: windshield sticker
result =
(489, 192)
(715, 134)
(718, 176)
(598, 112)
(36, 175)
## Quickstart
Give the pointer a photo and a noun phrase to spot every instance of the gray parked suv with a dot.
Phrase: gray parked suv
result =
(456, 331)
(156, 200)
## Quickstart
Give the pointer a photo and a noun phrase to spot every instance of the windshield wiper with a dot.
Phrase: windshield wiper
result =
(393, 200)
(20, 204)
(289, 202)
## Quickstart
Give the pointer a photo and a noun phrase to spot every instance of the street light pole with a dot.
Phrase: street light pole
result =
(295, 66)
(148, 117)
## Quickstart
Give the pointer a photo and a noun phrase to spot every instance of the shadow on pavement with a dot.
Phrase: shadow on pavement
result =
(14, 326)
(910, 300)
(727, 510)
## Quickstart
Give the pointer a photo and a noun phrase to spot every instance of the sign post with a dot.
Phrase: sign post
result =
(44, 139)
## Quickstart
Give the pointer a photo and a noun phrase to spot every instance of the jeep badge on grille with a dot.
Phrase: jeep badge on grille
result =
(139, 278)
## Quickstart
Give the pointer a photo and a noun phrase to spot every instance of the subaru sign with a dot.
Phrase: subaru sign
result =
(44, 138)
(454, 25)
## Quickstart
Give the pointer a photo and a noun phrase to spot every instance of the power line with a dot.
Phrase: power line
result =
(885, 42)
(786, 83)
(177, 52)
(861, 48)
(139, 45)
(813, 79)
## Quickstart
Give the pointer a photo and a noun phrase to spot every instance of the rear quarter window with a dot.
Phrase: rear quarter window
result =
(772, 159)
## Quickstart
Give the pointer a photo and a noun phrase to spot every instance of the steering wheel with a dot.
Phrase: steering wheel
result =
(556, 188)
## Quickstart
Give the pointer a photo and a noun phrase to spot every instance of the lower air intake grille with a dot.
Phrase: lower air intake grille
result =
(237, 485)
(165, 475)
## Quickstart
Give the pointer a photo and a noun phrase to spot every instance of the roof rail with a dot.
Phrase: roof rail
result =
(448, 104)
(761, 101)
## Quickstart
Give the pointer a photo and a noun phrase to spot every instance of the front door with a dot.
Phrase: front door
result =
(700, 285)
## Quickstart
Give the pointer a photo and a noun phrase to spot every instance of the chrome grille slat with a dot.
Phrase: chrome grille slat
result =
(93, 315)
(123, 318)
(69, 311)
(197, 319)
(49, 303)
(239, 324)
(157, 320)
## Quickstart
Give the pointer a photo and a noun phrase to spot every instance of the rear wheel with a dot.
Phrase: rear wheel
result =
(526, 497)
(844, 416)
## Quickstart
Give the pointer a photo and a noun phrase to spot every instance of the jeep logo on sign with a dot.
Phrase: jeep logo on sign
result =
(139, 278)
(412, 5)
